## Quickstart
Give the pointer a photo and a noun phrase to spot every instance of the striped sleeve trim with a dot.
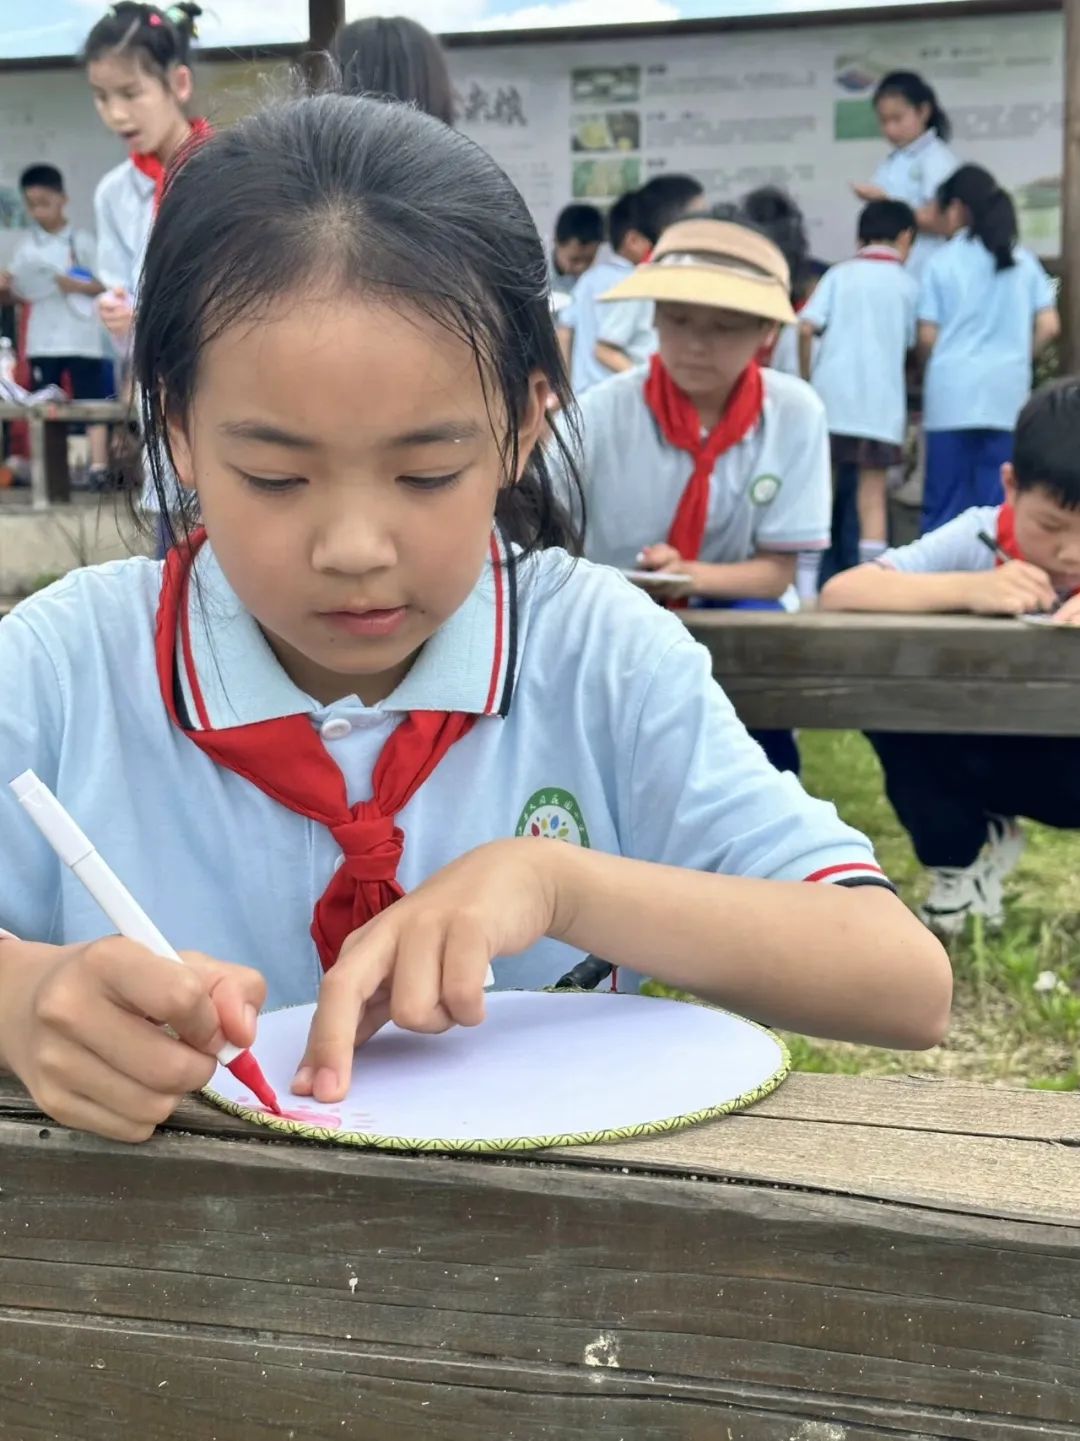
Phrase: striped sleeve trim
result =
(786, 546)
(852, 873)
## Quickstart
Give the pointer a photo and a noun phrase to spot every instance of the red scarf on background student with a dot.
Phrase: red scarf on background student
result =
(157, 171)
(286, 759)
(680, 425)
(1006, 539)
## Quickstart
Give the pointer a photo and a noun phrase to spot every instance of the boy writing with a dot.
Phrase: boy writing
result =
(864, 310)
(957, 795)
(53, 272)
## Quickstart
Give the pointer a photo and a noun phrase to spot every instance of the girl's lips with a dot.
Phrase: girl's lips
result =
(366, 623)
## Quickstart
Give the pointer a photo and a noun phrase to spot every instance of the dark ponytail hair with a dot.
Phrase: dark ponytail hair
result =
(156, 38)
(914, 89)
(373, 199)
(396, 60)
(993, 215)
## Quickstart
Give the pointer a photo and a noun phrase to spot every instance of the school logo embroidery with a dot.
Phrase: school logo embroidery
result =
(554, 815)
(765, 489)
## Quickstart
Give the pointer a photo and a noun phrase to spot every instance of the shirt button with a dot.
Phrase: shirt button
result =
(335, 729)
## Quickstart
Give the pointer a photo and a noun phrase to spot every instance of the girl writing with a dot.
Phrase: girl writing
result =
(140, 77)
(379, 670)
(914, 123)
(986, 308)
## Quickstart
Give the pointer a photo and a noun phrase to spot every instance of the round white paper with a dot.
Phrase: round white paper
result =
(545, 1068)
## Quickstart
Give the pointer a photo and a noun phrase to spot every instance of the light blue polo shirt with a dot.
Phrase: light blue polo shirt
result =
(914, 174)
(864, 310)
(628, 324)
(123, 219)
(979, 374)
(951, 548)
(771, 492)
(599, 725)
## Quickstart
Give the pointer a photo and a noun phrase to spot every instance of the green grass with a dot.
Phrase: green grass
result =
(1004, 1029)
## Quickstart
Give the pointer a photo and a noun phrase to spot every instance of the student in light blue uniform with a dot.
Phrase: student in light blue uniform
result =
(958, 796)
(54, 272)
(608, 339)
(704, 465)
(914, 123)
(377, 671)
(579, 234)
(864, 312)
(987, 308)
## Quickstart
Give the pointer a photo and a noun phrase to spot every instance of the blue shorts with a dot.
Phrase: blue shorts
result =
(963, 468)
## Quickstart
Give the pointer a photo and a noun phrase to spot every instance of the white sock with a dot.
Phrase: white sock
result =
(870, 550)
(807, 567)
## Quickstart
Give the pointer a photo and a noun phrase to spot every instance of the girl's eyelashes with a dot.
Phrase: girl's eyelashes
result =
(278, 484)
(431, 482)
(271, 484)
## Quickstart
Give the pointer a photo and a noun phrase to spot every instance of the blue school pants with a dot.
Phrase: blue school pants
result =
(944, 788)
(779, 746)
(963, 468)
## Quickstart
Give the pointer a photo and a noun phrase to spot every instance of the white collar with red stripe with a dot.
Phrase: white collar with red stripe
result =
(888, 253)
(468, 665)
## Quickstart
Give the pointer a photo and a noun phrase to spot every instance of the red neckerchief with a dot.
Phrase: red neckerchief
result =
(1006, 539)
(1006, 534)
(879, 253)
(150, 164)
(287, 760)
(680, 425)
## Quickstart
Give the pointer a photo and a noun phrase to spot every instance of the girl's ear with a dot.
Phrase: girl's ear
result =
(181, 84)
(183, 462)
(533, 419)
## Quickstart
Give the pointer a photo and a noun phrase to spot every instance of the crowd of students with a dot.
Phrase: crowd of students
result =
(323, 737)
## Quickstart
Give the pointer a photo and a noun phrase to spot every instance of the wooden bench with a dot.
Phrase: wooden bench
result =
(853, 1260)
(830, 671)
(50, 480)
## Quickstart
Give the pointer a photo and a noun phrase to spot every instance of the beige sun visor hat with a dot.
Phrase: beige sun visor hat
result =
(712, 262)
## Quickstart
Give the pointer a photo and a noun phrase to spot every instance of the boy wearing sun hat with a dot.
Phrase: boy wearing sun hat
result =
(702, 464)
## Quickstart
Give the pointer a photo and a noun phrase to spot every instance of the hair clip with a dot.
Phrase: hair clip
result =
(154, 19)
(181, 17)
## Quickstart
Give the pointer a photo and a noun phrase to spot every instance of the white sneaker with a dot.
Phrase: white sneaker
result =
(955, 894)
(1005, 843)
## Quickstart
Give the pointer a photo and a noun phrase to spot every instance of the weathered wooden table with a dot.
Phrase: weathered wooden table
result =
(854, 1260)
(50, 479)
(830, 671)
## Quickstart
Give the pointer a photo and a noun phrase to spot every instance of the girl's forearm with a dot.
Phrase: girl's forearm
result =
(853, 964)
(765, 577)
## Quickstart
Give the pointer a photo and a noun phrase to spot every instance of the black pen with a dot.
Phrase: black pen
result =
(585, 976)
(993, 546)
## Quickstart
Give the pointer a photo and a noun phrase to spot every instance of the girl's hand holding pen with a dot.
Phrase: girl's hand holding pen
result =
(80, 1025)
(422, 963)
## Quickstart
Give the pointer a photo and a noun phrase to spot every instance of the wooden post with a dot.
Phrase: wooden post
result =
(324, 18)
(1070, 192)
